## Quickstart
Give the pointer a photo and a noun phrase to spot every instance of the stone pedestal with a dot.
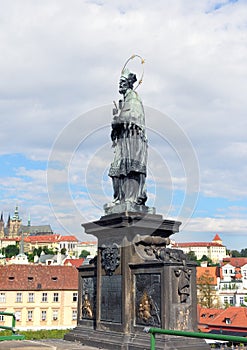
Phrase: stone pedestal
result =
(135, 282)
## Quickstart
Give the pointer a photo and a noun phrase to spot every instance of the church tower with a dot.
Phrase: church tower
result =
(14, 224)
(217, 239)
(1, 226)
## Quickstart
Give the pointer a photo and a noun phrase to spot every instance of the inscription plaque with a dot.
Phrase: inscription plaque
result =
(148, 299)
(111, 298)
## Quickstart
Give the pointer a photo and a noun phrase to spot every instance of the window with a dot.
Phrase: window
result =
(44, 297)
(55, 315)
(228, 320)
(1, 318)
(43, 315)
(2, 298)
(231, 300)
(30, 315)
(225, 300)
(31, 297)
(241, 300)
(19, 297)
(18, 315)
(75, 296)
(55, 297)
(74, 314)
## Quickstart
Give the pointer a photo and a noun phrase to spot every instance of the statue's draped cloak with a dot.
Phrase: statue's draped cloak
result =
(129, 133)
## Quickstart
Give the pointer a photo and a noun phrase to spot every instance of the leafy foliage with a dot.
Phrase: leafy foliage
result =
(244, 253)
(191, 256)
(235, 254)
(40, 334)
(10, 250)
(84, 253)
(63, 251)
(206, 291)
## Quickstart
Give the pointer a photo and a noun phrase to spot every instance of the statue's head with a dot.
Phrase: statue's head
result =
(127, 81)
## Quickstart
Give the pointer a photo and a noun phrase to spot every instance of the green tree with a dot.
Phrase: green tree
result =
(84, 253)
(47, 250)
(30, 257)
(244, 253)
(63, 251)
(191, 256)
(11, 250)
(235, 254)
(206, 258)
(206, 290)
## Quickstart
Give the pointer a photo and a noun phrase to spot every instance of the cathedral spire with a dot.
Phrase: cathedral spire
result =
(29, 220)
(16, 214)
(9, 219)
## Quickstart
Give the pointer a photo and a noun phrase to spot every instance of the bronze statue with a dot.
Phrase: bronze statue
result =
(128, 169)
(86, 307)
(145, 308)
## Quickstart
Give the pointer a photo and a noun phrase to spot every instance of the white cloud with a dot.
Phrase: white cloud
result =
(230, 225)
(59, 60)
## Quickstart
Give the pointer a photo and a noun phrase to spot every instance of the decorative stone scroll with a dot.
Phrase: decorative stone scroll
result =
(155, 248)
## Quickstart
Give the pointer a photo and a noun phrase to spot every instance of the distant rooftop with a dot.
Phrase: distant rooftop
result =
(38, 277)
(34, 230)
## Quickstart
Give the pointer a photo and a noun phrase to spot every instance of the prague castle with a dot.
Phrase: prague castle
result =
(14, 227)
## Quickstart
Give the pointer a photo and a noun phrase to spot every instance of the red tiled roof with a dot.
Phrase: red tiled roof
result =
(210, 271)
(42, 239)
(16, 239)
(198, 244)
(217, 238)
(50, 239)
(74, 262)
(217, 317)
(68, 239)
(38, 277)
(236, 262)
(90, 242)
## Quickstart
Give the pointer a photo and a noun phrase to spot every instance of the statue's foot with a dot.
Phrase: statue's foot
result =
(116, 201)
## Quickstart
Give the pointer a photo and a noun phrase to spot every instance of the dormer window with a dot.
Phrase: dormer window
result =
(228, 320)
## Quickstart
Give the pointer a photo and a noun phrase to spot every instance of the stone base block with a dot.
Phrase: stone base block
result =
(138, 341)
(116, 208)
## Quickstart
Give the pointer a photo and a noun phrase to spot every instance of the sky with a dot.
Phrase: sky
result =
(60, 64)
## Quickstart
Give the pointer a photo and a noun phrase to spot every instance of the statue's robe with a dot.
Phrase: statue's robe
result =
(128, 169)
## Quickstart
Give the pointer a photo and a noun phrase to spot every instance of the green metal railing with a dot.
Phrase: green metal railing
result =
(229, 338)
(10, 328)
